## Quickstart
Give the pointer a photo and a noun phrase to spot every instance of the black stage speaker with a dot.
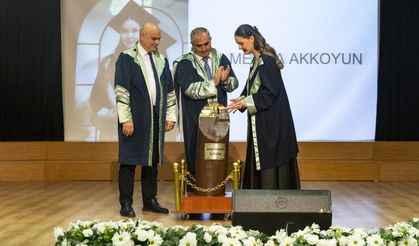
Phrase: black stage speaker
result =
(271, 210)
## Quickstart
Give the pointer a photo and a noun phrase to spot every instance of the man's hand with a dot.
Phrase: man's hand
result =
(127, 128)
(225, 73)
(217, 75)
(169, 125)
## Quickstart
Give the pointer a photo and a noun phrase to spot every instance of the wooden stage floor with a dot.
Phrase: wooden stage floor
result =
(29, 211)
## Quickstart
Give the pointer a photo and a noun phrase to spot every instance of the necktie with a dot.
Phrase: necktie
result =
(156, 76)
(207, 67)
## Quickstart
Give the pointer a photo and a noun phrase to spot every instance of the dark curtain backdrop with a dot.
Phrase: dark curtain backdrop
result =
(398, 76)
(31, 106)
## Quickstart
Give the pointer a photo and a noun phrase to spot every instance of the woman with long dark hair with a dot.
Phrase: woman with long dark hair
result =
(271, 158)
(102, 98)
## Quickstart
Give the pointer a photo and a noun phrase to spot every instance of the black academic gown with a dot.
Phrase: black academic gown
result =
(271, 135)
(138, 148)
(185, 75)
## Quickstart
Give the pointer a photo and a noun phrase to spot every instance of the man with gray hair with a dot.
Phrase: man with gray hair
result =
(201, 76)
(146, 104)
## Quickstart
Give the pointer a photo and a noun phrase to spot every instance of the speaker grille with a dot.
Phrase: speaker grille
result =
(317, 201)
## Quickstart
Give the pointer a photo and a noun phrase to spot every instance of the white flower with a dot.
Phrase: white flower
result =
(122, 239)
(222, 237)
(143, 226)
(287, 241)
(270, 242)
(188, 240)
(58, 232)
(413, 232)
(144, 235)
(251, 241)
(360, 233)
(375, 240)
(391, 243)
(355, 240)
(231, 242)
(81, 244)
(87, 232)
(112, 225)
(73, 226)
(204, 228)
(408, 242)
(346, 229)
(218, 229)
(343, 241)
(100, 227)
(253, 233)
(399, 229)
(126, 224)
(301, 233)
(331, 242)
(207, 237)
(327, 242)
(412, 241)
(155, 240)
(156, 224)
(323, 233)
(237, 232)
(64, 242)
(179, 228)
(315, 226)
(85, 223)
(311, 239)
(401, 224)
(280, 235)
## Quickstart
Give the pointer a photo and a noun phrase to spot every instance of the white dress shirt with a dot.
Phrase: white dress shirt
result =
(203, 63)
(148, 75)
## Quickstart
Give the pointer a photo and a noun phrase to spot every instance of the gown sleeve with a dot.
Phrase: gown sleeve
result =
(122, 88)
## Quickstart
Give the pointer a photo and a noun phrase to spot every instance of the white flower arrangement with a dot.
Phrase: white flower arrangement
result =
(139, 232)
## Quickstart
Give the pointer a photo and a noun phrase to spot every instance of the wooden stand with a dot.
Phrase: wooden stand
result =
(190, 203)
(195, 204)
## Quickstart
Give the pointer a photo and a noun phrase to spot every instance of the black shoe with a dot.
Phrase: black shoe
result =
(195, 217)
(153, 206)
(127, 210)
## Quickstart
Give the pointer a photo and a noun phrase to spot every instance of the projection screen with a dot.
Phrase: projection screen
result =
(329, 49)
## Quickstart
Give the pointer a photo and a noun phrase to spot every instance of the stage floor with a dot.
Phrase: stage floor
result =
(29, 211)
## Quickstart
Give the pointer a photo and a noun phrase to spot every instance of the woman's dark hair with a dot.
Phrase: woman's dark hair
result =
(246, 31)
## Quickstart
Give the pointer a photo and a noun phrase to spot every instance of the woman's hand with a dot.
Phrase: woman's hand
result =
(236, 103)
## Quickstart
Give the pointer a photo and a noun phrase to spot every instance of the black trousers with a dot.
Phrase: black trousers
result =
(148, 174)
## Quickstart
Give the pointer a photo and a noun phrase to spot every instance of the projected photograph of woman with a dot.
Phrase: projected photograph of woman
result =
(102, 98)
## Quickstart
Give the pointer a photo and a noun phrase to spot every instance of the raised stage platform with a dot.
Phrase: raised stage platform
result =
(379, 161)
